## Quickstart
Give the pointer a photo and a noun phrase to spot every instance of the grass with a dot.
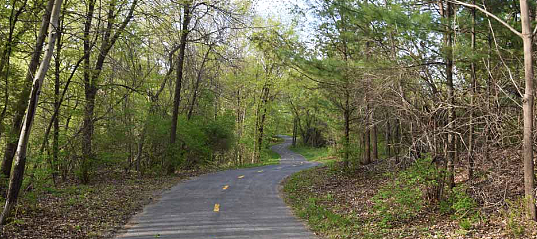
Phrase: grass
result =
(268, 157)
(336, 203)
(322, 155)
(310, 206)
(325, 211)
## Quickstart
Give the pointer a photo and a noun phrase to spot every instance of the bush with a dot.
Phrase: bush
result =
(463, 207)
(516, 217)
(221, 134)
(409, 193)
(157, 139)
(202, 138)
(404, 197)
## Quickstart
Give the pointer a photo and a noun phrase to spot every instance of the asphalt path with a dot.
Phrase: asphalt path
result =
(243, 203)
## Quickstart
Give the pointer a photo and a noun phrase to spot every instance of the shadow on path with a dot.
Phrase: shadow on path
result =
(203, 207)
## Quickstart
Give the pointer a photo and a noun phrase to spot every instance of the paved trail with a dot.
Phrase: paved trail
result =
(242, 203)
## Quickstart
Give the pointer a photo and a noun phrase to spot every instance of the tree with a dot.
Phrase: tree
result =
(20, 159)
(527, 36)
(179, 80)
(447, 13)
(22, 101)
(92, 74)
(529, 173)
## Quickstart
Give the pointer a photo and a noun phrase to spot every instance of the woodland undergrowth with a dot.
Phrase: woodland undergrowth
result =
(394, 198)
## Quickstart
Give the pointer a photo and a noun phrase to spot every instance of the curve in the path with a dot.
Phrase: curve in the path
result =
(243, 203)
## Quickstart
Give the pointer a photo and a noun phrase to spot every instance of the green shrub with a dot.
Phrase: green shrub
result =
(462, 207)
(516, 217)
(157, 141)
(312, 208)
(404, 197)
(201, 138)
(220, 132)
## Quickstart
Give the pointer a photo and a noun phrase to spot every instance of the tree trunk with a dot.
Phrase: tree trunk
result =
(398, 139)
(22, 101)
(87, 128)
(447, 14)
(374, 140)
(57, 105)
(261, 125)
(346, 139)
(451, 95)
(180, 64)
(54, 121)
(91, 77)
(61, 97)
(388, 138)
(198, 80)
(240, 124)
(152, 110)
(489, 108)
(6, 56)
(140, 148)
(471, 143)
(367, 145)
(20, 160)
(529, 173)
(294, 132)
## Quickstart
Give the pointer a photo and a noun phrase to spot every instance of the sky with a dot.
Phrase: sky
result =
(281, 10)
(277, 9)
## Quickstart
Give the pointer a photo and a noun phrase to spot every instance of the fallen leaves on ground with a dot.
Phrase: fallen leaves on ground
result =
(97, 210)
(497, 187)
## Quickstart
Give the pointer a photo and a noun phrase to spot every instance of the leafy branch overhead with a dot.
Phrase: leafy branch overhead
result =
(433, 92)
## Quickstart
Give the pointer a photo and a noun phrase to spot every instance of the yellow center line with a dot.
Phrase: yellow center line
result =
(217, 207)
(242, 176)
(225, 187)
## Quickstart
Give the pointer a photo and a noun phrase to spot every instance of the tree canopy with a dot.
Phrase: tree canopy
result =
(157, 86)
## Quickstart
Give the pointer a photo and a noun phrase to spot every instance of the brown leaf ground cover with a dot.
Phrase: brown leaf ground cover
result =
(342, 204)
(96, 210)
(101, 208)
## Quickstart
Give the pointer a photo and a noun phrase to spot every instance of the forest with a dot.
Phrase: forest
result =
(439, 94)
